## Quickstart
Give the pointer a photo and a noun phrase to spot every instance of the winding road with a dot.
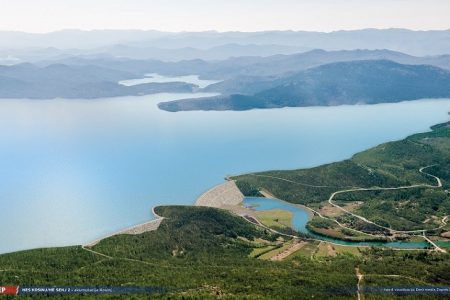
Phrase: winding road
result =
(438, 185)
(333, 195)
(290, 181)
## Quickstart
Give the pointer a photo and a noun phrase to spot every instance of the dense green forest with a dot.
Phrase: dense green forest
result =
(403, 209)
(205, 253)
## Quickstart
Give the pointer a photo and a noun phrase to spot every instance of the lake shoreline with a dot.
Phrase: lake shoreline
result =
(150, 225)
(103, 164)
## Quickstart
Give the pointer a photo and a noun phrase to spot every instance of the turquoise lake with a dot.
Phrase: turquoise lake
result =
(300, 217)
(75, 170)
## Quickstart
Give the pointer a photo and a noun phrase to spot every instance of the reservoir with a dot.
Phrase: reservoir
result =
(301, 216)
(75, 170)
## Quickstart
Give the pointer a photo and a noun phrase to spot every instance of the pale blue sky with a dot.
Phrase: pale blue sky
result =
(223, 15)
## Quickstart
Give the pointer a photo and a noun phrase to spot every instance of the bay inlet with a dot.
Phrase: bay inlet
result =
(74, 170)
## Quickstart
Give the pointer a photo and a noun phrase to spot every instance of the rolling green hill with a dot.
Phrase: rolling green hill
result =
(204, 253)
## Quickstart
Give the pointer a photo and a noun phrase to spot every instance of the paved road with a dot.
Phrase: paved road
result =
(439, 249)
(330, 201)
(439, 185)
(290, 181)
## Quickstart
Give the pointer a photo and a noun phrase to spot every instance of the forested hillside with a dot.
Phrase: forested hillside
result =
(204, 253)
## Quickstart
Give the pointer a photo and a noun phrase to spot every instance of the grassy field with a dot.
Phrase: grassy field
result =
(348, 250)
(325, 249)
(275, 218)
(306, 251)
(275, 251)
(257, 252)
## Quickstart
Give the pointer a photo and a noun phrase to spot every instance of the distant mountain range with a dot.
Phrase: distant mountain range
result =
(82, 77)
(63, 81)
(248, 66)
(14, 56)
(137, 44)
(354, 82)
(242, 70)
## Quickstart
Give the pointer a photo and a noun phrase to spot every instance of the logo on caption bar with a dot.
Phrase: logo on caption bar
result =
(8, 290)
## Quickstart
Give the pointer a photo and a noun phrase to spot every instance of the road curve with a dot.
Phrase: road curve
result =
(439, 185)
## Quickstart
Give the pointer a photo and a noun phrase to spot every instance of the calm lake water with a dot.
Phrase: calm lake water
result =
(300, 217)
(153, 77)
(74, 170)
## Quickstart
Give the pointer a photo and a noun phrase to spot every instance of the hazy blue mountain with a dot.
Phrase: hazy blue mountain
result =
(14, 56)
(189, 53)
(245, 75)
(80, 76)
(442, 61)
(59, 80)
(402, 40)
(237, 69)
(366, 82)
(75, 39)
(412, 42)
(355, 82)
